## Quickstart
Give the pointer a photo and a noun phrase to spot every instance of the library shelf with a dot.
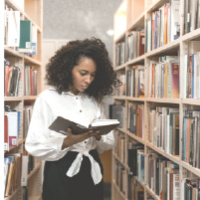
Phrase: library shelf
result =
(175, 159)
(122, 163)
(121, 67)
(12, 52)
(13, 194)
(20, 142)
(194, 35)
(167, 49)
(191, 101)
(163, 100)
(29, 60)
(120, 37)
(139, 60)
(7, 98)
(151, 192)
(138, 23)
(157, 4)
(28, 98)
(136, 138)
(120, 97)
(136, 99)
(13, 5)
(32, 11)
(187, 166)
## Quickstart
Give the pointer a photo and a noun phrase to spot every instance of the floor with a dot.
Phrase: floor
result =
(107, 191)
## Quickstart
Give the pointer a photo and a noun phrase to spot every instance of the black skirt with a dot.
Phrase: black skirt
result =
(58, 186)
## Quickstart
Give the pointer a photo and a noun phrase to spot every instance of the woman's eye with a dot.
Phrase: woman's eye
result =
(83, 74)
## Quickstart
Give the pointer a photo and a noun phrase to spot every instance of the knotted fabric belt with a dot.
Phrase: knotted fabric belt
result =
(76, 165)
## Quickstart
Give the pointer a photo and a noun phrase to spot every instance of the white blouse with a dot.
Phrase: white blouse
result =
(46, 144)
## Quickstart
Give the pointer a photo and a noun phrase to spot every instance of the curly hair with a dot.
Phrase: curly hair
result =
(59, 68)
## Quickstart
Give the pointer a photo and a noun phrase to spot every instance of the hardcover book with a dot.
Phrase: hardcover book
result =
(61, 125)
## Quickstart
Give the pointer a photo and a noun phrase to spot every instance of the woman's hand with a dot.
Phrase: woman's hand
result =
(73, 139)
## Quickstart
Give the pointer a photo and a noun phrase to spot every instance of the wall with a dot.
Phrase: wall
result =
(79, 19)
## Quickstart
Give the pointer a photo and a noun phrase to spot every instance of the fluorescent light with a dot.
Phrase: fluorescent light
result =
(110, 32)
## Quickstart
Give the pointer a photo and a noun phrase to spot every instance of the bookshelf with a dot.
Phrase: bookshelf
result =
(157, 138)
(28, 86)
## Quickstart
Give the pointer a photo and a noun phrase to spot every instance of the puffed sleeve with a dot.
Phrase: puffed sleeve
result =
(106, 142)
(42, 142)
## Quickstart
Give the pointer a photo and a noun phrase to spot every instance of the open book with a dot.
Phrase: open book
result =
(61, 125)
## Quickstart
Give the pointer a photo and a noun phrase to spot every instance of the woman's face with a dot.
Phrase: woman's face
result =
(82, 75)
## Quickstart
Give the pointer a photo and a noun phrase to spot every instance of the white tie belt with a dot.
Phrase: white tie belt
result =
(76, 165)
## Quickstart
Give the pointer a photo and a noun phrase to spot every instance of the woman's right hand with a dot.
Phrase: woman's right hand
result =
(73, 139)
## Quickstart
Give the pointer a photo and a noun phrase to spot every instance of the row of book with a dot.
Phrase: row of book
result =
(162, 175)
(190, 186)
(191, 75)
(164, 129)
(136, 119)
(120, 145)
(135, 44)
(163, 78)
(191, 138)
(12, 76)
(16, 170)
(12, 125)
(163, 26)
(19, 34)
(120, 53)
(132, 47)
(135, 86)
(120, 176)
(30, 81)
(12, 173)
(191, 15)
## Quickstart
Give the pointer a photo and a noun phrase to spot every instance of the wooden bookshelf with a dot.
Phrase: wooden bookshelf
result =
(33, 11)
(137, 15)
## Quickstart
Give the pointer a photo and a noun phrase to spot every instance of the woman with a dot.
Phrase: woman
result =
(80, 75)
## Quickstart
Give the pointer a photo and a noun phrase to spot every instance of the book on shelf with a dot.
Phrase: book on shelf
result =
(13, 126)
(25, 45)
(190, 138)
(132, 157)
(24, 170)
(191, 15)
(30, 80)
(13, 33)
(6, 136)
(61, 125)
(12, 173)
(191, 188)
(12, 75)
(117, 111)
